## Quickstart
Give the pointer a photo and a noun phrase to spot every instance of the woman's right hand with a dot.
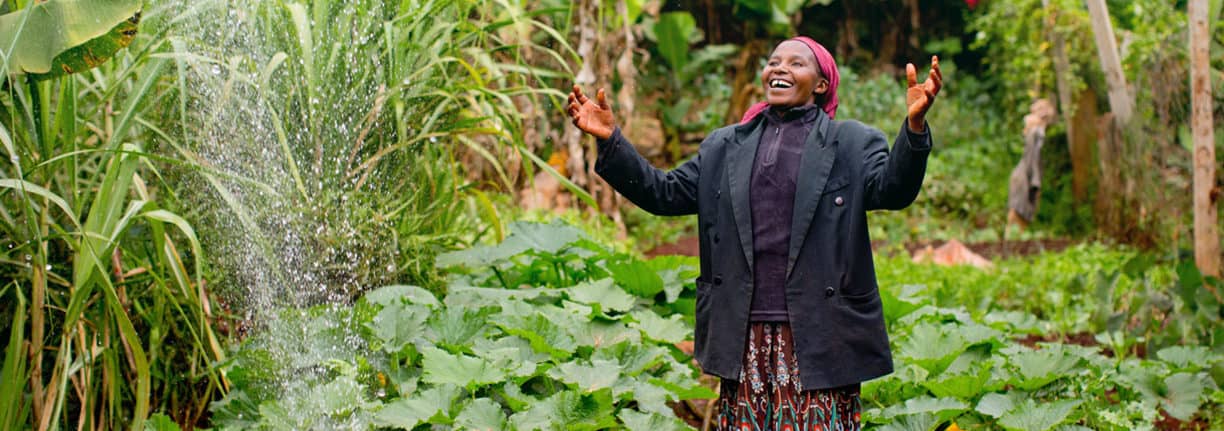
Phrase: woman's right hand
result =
(591, 116)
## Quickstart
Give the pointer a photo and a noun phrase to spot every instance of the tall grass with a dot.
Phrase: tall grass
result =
(102, 303)
(353, 118)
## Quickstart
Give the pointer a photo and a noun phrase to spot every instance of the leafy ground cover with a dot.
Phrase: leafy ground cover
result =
(550, 329)
(546, 330)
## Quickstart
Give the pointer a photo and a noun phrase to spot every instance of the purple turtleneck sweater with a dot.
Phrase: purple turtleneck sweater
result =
(775, 171)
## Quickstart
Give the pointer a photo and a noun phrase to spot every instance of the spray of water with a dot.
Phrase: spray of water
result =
(282, 106)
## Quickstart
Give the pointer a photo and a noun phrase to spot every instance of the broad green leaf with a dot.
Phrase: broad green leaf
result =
(675, 272)
(673, 31)
(568, 410)
(603, 294)
(599, 374)
(943, 408)
(459, 370)
(932, 346)
(513, 395)
(637, 421)
(963, 386)
(1183, 396)
(631, 358)
(431, 405)
(398, 325)
(455, 327)
(477, 297)
(600, 333)
(691, 390)
(649, 398)
(543, 334)
(545, 239)
(1187, 357)
(1037, 368)
(996, 405)
(655, 327)
(637, 277)
(512, 354)
(57, 37)
(917, 422)
(908, 300)
(397, 293)
(482, 414)
(1034, 416)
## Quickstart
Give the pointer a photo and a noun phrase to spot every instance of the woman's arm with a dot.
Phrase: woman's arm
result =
(618, 162)
(894, 178)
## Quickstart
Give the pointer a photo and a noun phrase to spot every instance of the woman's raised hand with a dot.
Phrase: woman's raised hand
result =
(590, 116)
(919, 97)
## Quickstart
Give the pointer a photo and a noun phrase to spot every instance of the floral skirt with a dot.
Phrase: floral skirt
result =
(768, 395)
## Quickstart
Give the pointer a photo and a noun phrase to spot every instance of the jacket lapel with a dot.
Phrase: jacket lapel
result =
(814, 168)
(739, 177)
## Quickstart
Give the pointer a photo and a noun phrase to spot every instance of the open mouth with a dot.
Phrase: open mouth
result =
(778, 83)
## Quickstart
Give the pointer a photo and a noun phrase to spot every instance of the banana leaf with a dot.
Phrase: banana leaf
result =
(59, 37)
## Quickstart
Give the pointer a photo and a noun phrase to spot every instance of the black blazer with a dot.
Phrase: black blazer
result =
(831, 292)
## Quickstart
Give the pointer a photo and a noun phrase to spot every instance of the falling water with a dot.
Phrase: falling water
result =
(273, 116)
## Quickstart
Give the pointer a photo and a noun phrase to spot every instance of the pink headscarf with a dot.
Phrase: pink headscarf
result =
(828, 68)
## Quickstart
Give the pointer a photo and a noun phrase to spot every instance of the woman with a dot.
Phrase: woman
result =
(788, 311)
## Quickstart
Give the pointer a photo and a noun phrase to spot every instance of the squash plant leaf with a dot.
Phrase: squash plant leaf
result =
(568, 410)
(631, 358)
(431, 405)
(637, 277)
(1037, 368)
(655, 327)
(459, 370)
(638, 421)
(1183, 395)
(1191, 358)
(599, 374)
(395, 293)
(932, 346)
(398, 325)
(1033, 416)
(963, 386)
(941, 408)
(996, 405)
(544, 335)
(602, 293)
(454, 328)
(482, 414)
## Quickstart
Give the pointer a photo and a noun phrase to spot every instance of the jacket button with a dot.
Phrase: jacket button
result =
(717, 194)
(829, 292)
(839, 201)
(716, 238)
(717, 280)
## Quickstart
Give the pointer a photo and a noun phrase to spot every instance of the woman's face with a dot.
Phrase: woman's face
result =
(791, 77)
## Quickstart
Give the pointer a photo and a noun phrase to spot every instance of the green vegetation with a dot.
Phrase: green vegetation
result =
(305, 214)
(546, 330)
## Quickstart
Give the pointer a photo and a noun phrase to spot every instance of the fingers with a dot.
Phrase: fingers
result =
(936, 76)
(602, 98)
(911, 74)
(578, 96)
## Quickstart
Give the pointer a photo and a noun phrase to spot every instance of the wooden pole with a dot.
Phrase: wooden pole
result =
(1120, 101)
(1206, 233)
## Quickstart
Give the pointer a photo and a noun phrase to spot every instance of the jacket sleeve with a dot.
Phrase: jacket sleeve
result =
(893, 179)
(661, 193)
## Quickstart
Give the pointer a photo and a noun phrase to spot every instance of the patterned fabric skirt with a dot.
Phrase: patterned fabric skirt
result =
(768, 395)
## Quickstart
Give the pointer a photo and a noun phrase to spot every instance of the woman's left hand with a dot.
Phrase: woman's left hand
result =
(920, 97)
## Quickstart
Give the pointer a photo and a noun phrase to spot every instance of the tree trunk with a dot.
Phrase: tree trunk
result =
(1066, 106)
(1121, 103)
(1206, 234)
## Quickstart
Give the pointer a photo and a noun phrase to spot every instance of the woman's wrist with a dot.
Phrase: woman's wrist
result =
(916, 125)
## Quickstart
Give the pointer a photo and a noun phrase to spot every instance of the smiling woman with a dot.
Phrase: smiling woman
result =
(788, 311)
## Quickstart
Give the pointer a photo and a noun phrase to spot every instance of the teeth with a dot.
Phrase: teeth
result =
(778, 83)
